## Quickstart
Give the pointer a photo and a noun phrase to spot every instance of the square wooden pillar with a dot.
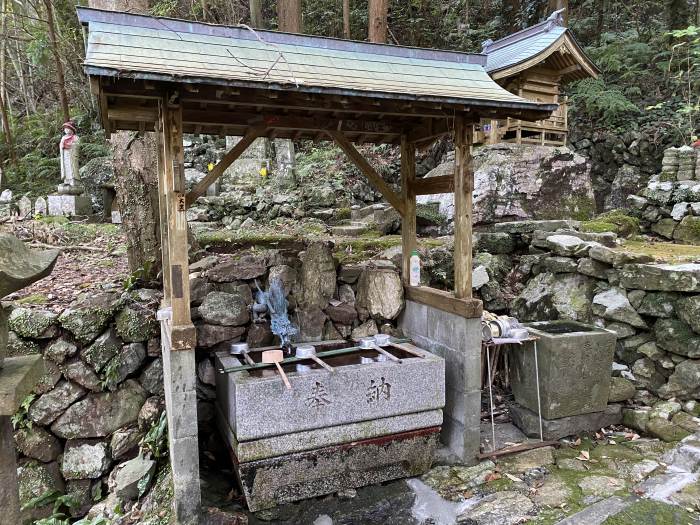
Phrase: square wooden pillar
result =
(177, 331)
(408, 196)
(463, 188)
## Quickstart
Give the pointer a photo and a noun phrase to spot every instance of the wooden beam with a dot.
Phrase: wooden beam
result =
(433, 185)
(464, 187)
(445, 301)
(218, 170)
(182, 331)
(374, 178)
(408, 220)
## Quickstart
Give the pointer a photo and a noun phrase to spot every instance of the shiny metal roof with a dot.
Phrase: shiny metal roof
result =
(522, 46)
(128, 45)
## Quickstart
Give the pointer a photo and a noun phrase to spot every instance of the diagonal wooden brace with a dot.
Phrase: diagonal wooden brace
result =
(218, 170)
(374, 178)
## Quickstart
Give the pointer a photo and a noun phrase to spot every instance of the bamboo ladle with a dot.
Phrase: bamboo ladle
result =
(276, 356)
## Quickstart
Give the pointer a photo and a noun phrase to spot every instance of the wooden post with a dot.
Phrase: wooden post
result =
(173, 178)
(162, 204)
(464, 186)
(408, 195)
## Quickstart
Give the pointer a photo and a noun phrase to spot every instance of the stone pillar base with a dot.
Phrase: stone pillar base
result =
(69, 205)
(458, 341)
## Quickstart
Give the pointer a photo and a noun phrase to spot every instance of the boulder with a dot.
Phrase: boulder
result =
(480, 276)
(500, 508)
(550, 296)
(99, 415)
(665, 430)
(343, 313)
(125, 363)
(86, 318)
(664, 227)
(675, 336)
(688, 231)
(592, 268)
(221, 308)
(105, 347)
(150, 412)
(688, 309)
(613, 304)
(636, 418)
(124, 440)
(380, 293)
(37, 479)
(684, 383)
(646, 375)
(36, 324)
(151, 378)
(621, 389)
(80, 373)
(311, 321)
(657, 304)
(665, 409)
(133, 478)
(136, 324)
(286, 274)
(566, 245)
(246, 268)
(206, 372)
(52, 404)
(317, 277)
(199, 289)
(616, 257)
(366, 329)
(495, 242)
(37, 443)
(85, 459)
(661, 277)
(622, 330)
(516, 182)
(60, 350)
(259, 334)
(209, 335)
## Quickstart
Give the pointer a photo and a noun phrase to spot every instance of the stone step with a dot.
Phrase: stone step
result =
(349, 230)
(366, 212)
(599, 512)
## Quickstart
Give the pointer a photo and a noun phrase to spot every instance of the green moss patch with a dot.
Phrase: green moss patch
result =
(647, 512)
(618, 221)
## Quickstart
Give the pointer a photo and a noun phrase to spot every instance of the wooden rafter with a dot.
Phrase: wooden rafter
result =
(218, 170)
(374, 178)
(434, 185)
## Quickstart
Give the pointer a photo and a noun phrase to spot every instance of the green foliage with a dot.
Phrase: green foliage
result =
(62, 506)
(600, 102)
(156, 439)
(20, 419)
(139, 276)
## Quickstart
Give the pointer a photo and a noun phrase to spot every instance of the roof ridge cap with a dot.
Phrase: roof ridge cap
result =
(546, 25)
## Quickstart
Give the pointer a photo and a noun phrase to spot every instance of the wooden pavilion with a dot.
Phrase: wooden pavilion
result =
(173, 77)
(534, 63)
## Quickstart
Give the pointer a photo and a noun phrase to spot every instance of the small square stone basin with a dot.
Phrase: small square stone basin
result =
(575, 364)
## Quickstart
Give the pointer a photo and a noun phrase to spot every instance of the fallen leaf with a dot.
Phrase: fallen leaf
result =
(584, 456)
(493, 477)
(577, 443)
(514, 478)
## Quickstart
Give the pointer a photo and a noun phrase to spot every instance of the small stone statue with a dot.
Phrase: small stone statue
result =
(69, 149)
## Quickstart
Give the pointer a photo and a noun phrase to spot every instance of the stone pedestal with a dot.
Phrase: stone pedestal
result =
(69, 205)
(3, 334)
(17, 379)
(458, 341)
(527, 421)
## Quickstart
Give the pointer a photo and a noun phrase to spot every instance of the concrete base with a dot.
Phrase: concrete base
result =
(528, 422)
(4, 313)
(270, 482)
(180, 382)
(69, 205)
(458, 341)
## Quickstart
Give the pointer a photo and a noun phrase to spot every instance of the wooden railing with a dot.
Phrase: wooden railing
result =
(551, 131)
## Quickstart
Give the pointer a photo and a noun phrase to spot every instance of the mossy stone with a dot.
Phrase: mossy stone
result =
(136, 324)
(31, 323)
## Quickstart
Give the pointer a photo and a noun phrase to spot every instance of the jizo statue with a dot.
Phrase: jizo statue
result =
(69, 149)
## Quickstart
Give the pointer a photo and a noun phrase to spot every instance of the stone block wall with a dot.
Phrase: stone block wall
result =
(653, 308)
(458, 341)
(103, 391)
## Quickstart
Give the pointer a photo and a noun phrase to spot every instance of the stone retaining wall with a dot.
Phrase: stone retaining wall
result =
(653, 308)
(82, 431)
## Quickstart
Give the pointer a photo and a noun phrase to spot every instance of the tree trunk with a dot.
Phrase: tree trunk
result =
(378, 20)
(136, 179)
(60, 77)
(600, 24)
(4, 98)
(256, 18)
(346, 18)
(289, 16)
(678, 14)
(136, 185)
